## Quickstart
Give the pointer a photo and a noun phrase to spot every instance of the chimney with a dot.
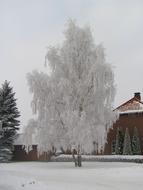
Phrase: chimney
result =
(137, 95)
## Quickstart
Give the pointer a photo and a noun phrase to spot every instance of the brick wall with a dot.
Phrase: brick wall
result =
(129, 121)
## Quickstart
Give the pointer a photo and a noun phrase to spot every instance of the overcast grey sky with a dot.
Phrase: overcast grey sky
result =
(27, 27)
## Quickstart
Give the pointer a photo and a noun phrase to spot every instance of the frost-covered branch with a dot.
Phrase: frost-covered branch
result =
(74, 102)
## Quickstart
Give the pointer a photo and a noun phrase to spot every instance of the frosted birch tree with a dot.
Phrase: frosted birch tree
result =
(74, 102)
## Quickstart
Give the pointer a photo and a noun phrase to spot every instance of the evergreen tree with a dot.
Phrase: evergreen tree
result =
(127, 144)
(119, 142)
(136, 149)
(113, 146)
(9, 117)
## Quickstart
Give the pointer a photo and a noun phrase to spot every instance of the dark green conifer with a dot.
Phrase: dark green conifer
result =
(9, 115)
(119, 141)
(127, 150)
(136, 148)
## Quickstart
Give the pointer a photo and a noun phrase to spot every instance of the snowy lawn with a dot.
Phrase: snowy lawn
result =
(64, 176)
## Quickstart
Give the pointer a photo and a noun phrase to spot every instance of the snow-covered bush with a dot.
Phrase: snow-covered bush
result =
(136, 148)
(127, 149)
(119, 141)
(100, 158)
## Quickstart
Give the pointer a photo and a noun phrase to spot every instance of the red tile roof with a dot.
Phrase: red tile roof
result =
(132, 104)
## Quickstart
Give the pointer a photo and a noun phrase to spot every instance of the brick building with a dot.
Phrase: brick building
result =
(130, 116)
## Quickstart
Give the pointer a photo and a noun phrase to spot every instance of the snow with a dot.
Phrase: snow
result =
(101, 158)
(131, 111)
(131, 105)
(64, 176)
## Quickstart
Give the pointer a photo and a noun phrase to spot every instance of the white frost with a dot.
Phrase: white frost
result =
(74, 102)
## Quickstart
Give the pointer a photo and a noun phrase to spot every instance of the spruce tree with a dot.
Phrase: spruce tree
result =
(127, 144)
(9, 115)
(113, 147)
(136, 148)
(119, 142)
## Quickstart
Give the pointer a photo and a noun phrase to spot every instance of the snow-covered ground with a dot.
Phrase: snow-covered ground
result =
(64, 176)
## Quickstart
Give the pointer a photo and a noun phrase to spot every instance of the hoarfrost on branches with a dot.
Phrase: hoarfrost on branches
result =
(29, 137)
(74, 102)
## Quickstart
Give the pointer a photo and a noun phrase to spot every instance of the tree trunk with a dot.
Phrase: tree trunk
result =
(74, 157)
(79, 160)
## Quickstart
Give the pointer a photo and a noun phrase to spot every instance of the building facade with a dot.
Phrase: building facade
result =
(130, 116)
